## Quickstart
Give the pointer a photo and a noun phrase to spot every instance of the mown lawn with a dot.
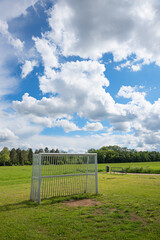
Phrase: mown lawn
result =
(144, 165)
(130, 209)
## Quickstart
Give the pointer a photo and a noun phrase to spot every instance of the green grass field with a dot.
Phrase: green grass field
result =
(130, 208)
(145, 165)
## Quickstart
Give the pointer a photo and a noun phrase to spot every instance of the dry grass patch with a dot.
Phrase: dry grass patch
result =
(112, 209)
(135, 218)
(82, 203)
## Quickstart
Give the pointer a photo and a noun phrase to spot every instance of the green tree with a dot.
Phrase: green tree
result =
(52, 150)
(19, 157)
(4, 157)
(46, 150)
(30, 155)
(92, 150)
(40, 150)
(101, 156)
(152, 156)
(36, 151)
(13, 156)
(24, 157)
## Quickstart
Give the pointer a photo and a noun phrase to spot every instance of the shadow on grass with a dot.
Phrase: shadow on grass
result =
(48, 201)
(18, 205)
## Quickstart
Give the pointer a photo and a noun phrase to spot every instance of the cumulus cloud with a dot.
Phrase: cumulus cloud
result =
(136, 68)
(132, 65)
(79, 86)
(7, 135)
(72, 144)
(131, 92)
(136, 115)
(16, 128)
(10, 9)
(68, 126)
(8, 82)
(121, 27)
(48, 52)
(138, 119)
(145, 125)
(76, 83)
(82, 143)
(127, 29)
(42, 121)
(15, 42)
(11, 47)
(94, 126)
(28, 67)
(45, 107)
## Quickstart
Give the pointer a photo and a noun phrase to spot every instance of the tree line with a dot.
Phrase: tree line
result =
(108, 154)
(20, 157)
(116, 154)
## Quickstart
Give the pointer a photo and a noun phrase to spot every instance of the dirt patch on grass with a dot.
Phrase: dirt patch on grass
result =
(82, 203)
(41, 230)
(98, 212)
(135, 218)
(112, 209)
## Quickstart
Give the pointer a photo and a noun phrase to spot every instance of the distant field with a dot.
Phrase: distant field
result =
(130, 209)
(151, 165)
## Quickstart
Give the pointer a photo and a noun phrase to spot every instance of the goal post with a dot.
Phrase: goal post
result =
(62, 174)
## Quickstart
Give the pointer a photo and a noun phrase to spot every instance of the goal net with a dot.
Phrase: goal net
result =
(59, 174)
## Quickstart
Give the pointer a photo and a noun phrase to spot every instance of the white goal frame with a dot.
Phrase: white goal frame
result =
(62, 174)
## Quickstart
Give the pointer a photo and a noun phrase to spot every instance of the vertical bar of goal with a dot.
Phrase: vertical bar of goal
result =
(96, 174)
(87, 173)
(39, 183)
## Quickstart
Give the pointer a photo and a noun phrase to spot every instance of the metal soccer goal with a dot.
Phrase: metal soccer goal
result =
(61, 174)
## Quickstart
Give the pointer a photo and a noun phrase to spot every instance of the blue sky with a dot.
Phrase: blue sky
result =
(83, 74)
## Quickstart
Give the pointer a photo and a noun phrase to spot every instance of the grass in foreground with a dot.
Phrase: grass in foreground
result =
(130, 210)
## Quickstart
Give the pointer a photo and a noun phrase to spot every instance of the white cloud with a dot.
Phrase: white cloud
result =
(53, 107)
(71, 144)
(80, 143)
(11, 48)
(8, 82)
(3, 27)
(15, 42)
(10, 9)
(48, 52)
(18, 127)
(123, 28)
(28, 67)
(123, 117)
(139, 121)
(79, 86)
(68, 126)
(118, 68)
(42, 121)
(7, 135)
(131, 92)
(120, 27)
(94, 126)
(132, 65)
(136, 68)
